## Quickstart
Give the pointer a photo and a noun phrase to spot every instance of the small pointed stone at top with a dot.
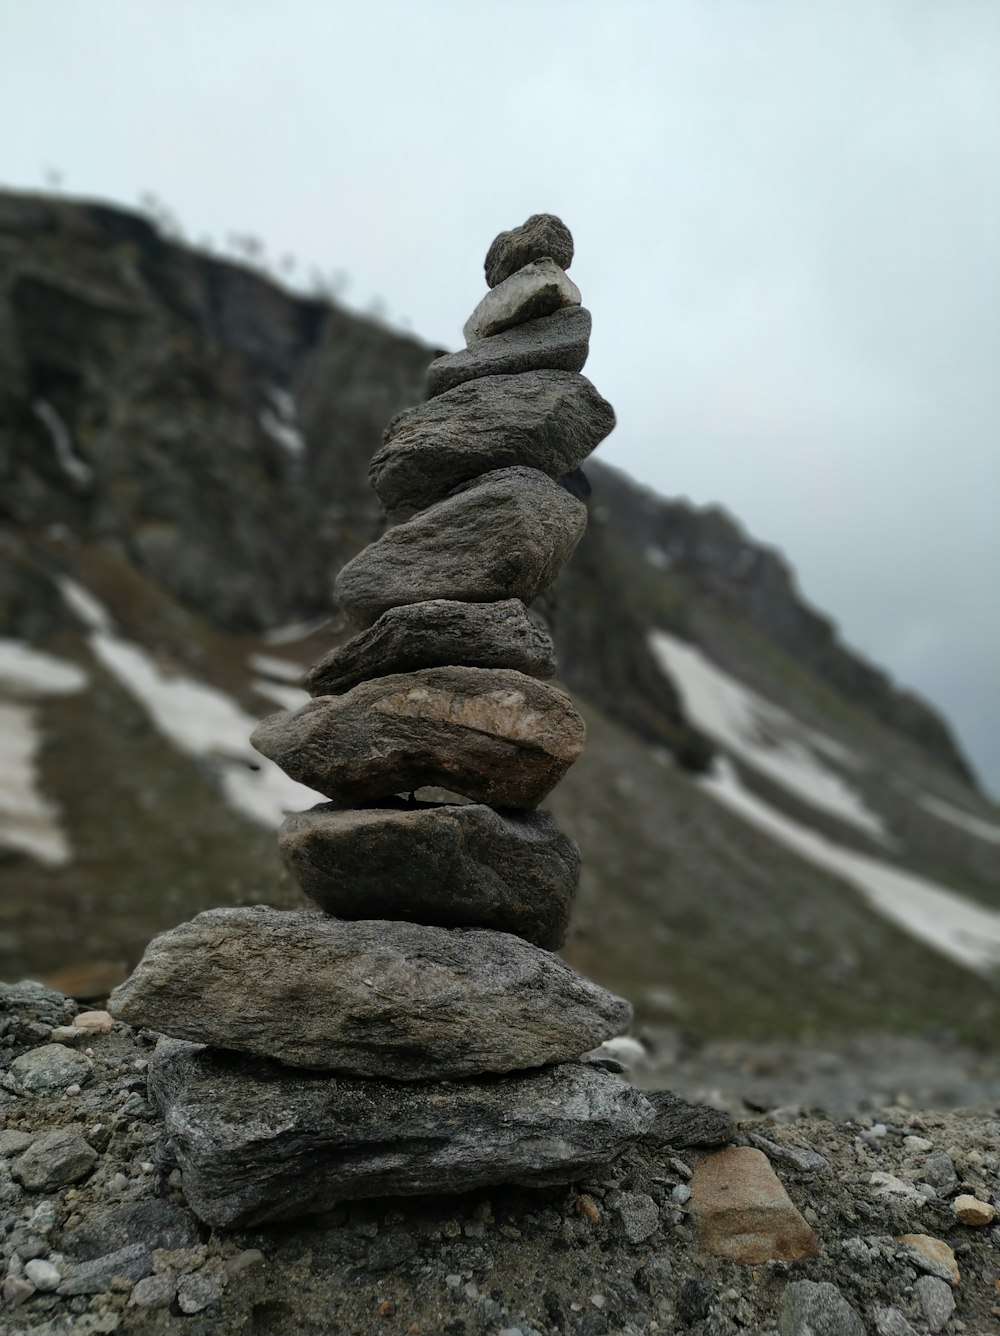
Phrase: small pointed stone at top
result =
(543, 234)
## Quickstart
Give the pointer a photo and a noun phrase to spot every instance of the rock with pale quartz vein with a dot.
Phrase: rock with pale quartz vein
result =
(490, 734)
(536, 290)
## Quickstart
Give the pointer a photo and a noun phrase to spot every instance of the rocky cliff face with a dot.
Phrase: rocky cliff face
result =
(183, 463)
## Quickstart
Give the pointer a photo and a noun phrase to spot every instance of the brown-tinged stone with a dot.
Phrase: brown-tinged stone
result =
(489, 734)
(743, 1212)
(507, 535)
(932, 1255)
(971, 1211)
(457, 866)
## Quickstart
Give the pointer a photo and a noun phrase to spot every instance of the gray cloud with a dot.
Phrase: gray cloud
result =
(787, 221)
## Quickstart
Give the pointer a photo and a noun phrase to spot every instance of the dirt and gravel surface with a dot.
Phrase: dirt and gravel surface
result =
(95, 1235)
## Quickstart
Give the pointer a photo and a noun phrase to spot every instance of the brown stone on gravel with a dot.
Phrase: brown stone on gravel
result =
(546, 420)
(743, 1212)
(437, 634)
(557, 342)
(371, 998)
(971, 1211)
(507, 535)
(457, 866)
(540, 235)
(490, 734)
(933, 1255)
(536, 290)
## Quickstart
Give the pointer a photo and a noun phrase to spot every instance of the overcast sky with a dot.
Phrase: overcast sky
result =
(786, 212)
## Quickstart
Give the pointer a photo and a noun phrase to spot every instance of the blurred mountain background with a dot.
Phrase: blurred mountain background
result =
(780, 843)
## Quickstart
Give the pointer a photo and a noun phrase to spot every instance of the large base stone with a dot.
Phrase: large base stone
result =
(257, 1142)
(366, 998)
(458, 866)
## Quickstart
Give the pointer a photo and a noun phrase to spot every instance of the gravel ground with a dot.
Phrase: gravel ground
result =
(95, 1235)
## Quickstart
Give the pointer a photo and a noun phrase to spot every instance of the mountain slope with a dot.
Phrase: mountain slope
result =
(775, 838)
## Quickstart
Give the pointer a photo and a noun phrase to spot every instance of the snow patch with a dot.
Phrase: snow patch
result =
(280, 421)
(199, 720)
(81, 602)
(288, 635)
(62, 443)
(957, 927)
(28, 821)
(289, 698)
(763, 735)
(281, 669)
(975, 825)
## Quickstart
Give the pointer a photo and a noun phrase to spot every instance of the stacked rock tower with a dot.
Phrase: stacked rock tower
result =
(416, 1033)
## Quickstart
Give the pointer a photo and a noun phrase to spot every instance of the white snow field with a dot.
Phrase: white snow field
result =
(198, 719)
(967, 932)
(29, 822)
(762, 735)
(975, 825)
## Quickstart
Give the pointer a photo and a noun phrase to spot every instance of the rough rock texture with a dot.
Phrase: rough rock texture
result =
(559, 342)
(43, 1070)
(546, 420)
(60, 1157)
(743, 1212)
(681, 1123)
(507, 535)
(536, 290)
(811, 1309)
(489, 734)
(256, 1143)
(437, 634)
(457, 866)
(543, 234)
(366, 998)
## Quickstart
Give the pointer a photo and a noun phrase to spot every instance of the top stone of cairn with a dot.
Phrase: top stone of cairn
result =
(542, 235)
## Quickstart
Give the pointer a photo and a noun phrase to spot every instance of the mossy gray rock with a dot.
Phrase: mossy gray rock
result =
(369, 998)
(489, 734)
(447, 864)
(540, 235)
(559, 342)
(436, 634)
(546, 420)
(257, 1143)
(507, 535)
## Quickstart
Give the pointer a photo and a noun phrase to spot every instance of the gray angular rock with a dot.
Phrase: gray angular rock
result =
(639, 1214)
(536, 290)
(489, 734)
(810, 1308)
(540, 235)
(546, 420)
(677, 1122)
(446, 864)
(437, 634)
(558, 342)
(129, 1264)
(259, 1143)
(366, 998)
(55, 1160)
(507, 535)
(937, 1302)
(42, 1071)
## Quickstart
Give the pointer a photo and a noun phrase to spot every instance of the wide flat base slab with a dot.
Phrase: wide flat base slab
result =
(257, 1141)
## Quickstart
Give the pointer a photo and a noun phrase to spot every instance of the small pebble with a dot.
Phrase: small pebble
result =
(94, 1022)
(66, 1034)
(971, 1211)
(681, 1194)
(196, 1292)
(154, 1292)
(598, 1300)
(918, 1143)
(42, 1274)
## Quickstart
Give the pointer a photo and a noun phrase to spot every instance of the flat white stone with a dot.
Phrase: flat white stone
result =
(536, 290)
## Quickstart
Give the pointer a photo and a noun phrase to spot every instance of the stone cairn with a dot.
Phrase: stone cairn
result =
(416, 1033)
